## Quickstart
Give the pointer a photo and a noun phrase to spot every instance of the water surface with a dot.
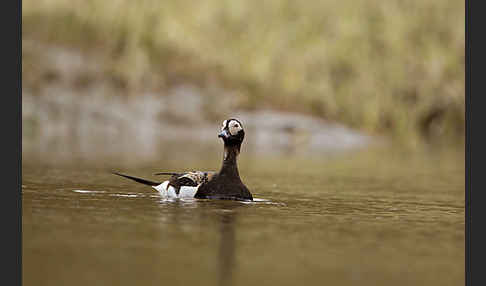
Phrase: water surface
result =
(368, 218)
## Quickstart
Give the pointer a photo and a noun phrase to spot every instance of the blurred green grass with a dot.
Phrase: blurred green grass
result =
(385, 67)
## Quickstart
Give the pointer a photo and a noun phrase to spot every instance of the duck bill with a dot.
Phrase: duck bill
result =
(224, 134)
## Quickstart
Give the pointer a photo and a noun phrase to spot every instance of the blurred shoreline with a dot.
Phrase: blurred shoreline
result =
(96, 118)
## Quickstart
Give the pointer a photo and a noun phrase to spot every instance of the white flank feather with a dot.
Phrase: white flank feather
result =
(184, 192)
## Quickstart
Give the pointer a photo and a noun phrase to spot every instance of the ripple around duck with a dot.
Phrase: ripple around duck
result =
(126, 195)
(258, 201)
(87, 191)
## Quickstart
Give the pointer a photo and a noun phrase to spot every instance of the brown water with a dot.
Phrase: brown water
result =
(379, 217)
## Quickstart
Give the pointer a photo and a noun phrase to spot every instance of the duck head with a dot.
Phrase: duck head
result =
(232, 132)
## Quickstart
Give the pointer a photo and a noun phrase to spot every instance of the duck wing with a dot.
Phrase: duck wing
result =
(189, 179)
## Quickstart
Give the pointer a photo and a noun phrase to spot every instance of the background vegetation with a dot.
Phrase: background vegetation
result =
(386, 67)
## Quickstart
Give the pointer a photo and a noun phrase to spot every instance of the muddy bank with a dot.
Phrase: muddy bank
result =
(73, 107)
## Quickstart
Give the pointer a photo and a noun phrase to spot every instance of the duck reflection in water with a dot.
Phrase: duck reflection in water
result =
(222, 216)
(227, 247)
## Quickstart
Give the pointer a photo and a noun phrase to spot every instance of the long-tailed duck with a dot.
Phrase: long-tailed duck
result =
(225, 184)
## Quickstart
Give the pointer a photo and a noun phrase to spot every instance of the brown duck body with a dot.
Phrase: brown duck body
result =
(226, 184)
(222, 187)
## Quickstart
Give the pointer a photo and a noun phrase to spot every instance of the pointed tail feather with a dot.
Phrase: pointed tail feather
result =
(138, 180)
(168, 173)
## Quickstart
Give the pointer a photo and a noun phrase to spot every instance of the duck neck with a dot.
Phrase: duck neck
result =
(230, 167)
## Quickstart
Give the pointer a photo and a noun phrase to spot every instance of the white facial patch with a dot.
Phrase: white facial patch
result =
(224, 124)
(234, 127)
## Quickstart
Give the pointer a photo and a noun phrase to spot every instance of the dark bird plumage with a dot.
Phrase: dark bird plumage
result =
(138, 180)
(225, 184)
